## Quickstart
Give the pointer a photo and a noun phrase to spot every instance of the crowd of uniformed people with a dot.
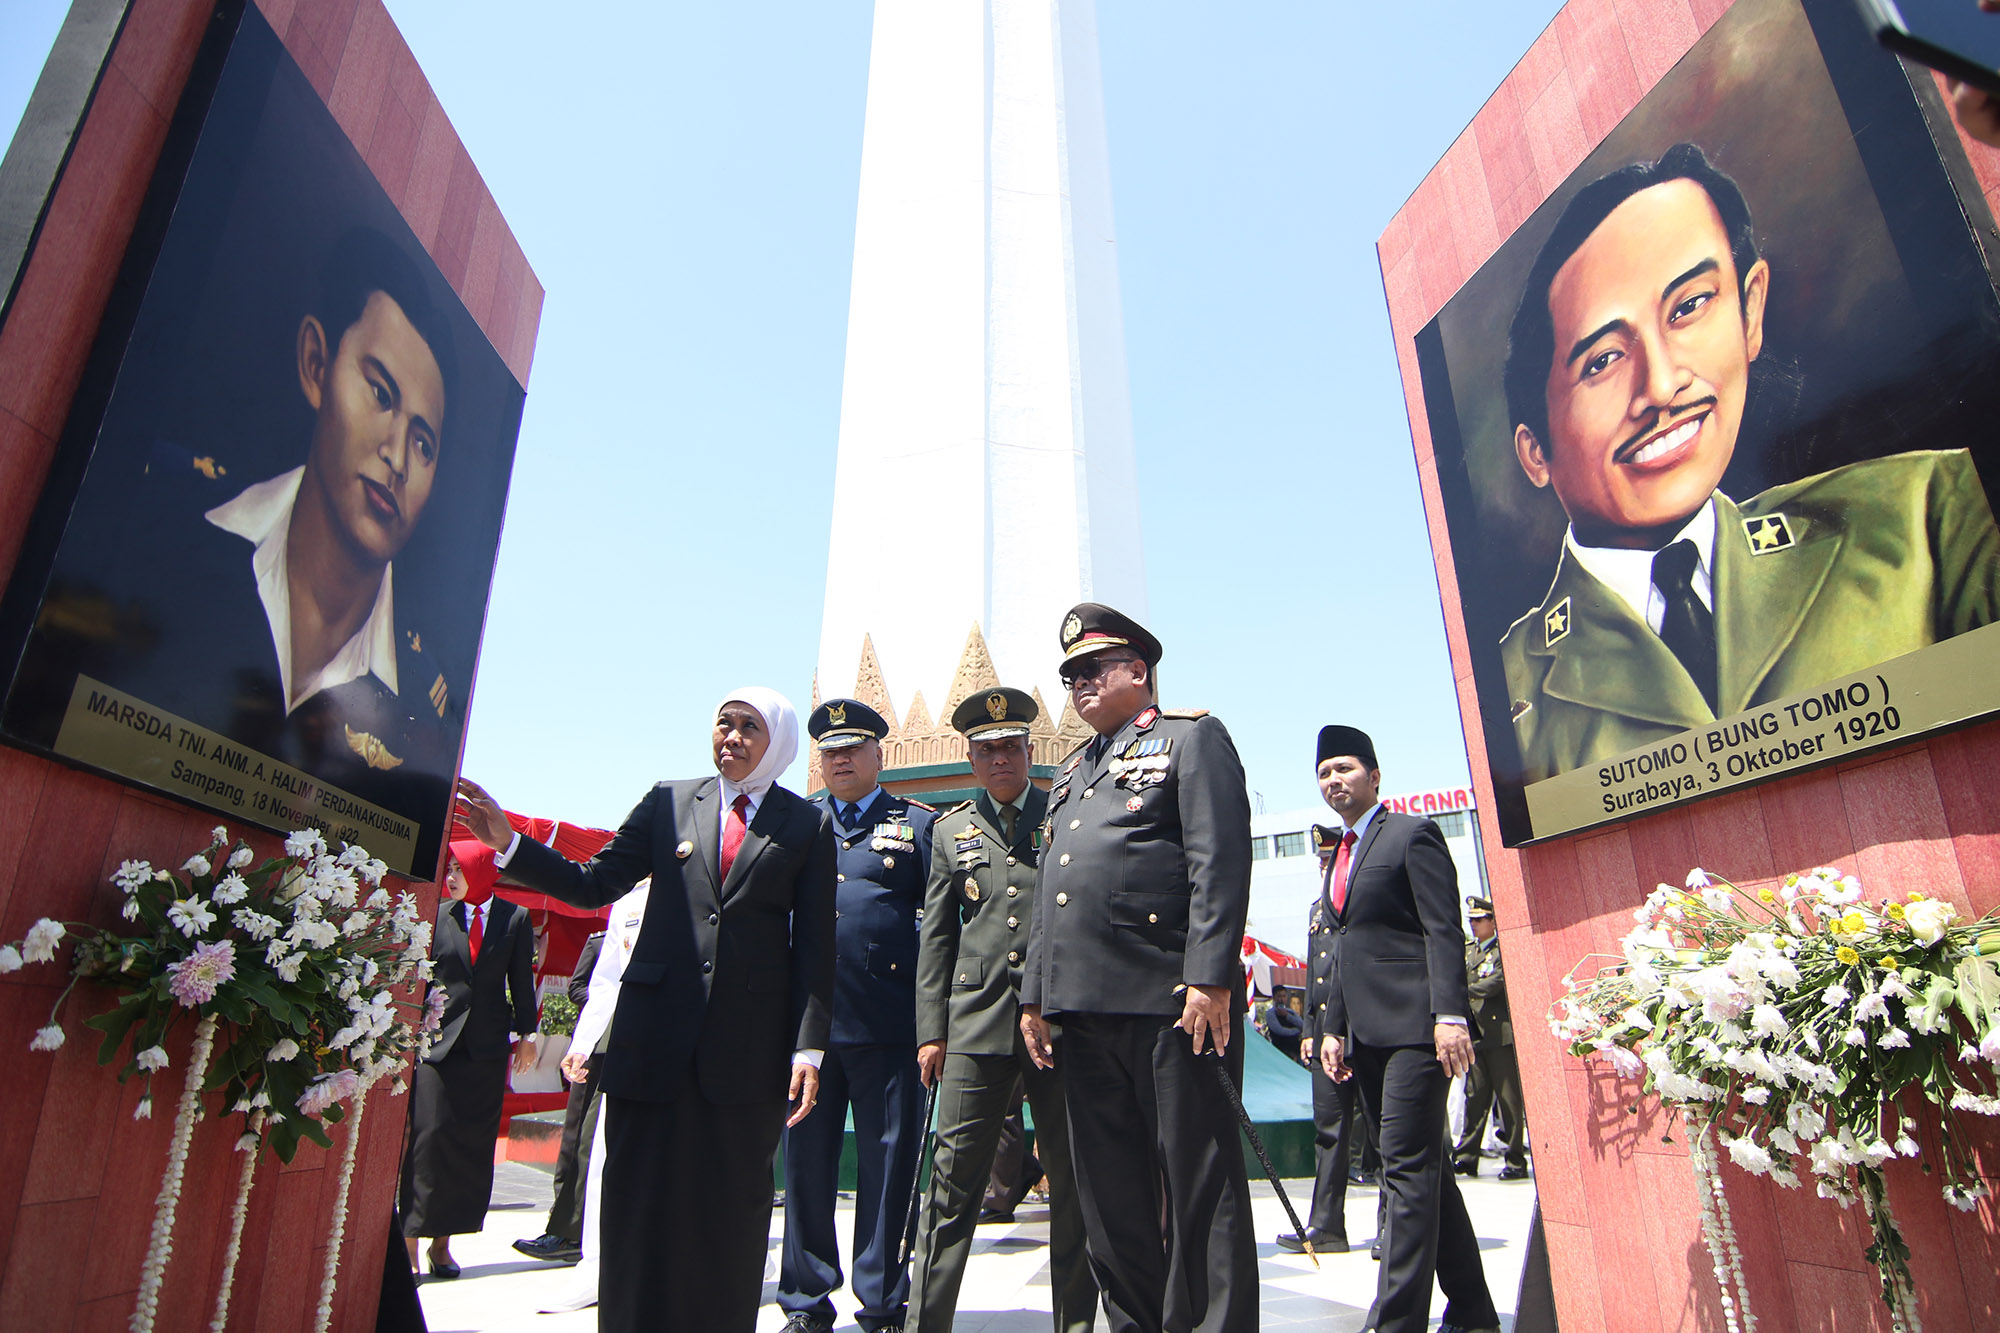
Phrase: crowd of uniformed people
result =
(792, 963)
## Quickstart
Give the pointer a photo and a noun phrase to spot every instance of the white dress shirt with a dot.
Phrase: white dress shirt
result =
(1630, 573)
(1360, 830)
(262, 515)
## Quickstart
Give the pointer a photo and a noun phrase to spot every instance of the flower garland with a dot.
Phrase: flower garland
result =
(1785, 1024)
(298, 972)
(324, 1317)
(251, 1146)
(154, 1269)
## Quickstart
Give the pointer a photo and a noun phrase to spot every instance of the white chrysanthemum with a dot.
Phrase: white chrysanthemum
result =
(241, 857)
(1783, 1139)
(232, 889)
(131, 910)
(1894, 1039)
(130, 875)
(150, 1059)
(286, 1049)
(191, 916)
(1746, 1153)
(305, 844)
(351, 855)
(288, 969)
(144, 1110)
(1767, 1020)
(1906, 1146)
(1805, 1120)
(10, 958)
(1756, 1096)
(1834, 996)
(197, 865)
(49, 1038)
(42, 939)
(1854, 1037)
(1877, 1152)
(1872, 1005)
(377, 901)
(254, 923)
(1698, 878)
(1718, 898)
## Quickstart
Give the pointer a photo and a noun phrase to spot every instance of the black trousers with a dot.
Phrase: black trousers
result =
(686, 1213)
(573, 1157)
(1159, 1169)
(1496, 1072)
(976, 1094)
(1343, 1136)
(1427, 1229)
(881, 1084)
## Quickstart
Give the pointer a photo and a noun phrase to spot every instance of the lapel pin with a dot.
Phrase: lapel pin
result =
(684, 851)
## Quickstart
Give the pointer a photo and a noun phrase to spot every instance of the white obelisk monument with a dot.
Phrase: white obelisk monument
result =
(985, 478)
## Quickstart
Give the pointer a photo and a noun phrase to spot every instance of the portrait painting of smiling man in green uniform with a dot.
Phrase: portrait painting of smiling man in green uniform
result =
(1714, 434)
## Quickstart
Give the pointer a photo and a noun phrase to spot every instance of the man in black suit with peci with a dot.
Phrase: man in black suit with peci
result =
(1394, 1019)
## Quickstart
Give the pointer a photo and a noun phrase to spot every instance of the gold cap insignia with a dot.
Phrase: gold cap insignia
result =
(372, 751)
(837, 714)
(1071, 628)
(1555, 625)
(996, 705)
(1767, 534)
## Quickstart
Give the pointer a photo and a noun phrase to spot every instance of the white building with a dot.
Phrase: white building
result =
(1285, 875)
(985, 390)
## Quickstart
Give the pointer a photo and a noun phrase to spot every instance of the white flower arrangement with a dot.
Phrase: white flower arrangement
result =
(1784, 1026)
(302, 995)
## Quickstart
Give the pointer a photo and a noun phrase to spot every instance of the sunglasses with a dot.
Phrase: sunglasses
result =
(1091, 668)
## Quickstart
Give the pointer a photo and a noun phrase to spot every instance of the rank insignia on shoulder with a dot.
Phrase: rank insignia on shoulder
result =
(1767, 534)
(920, 805)
(1184, 714)
(371, 749)
(1555, 624)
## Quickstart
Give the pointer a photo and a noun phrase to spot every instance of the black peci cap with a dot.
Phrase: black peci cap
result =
(1338, 740)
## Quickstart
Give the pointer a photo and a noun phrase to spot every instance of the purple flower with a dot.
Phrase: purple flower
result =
(196, 978)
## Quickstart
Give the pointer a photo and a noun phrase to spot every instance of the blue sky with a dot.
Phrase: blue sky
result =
(683, 178)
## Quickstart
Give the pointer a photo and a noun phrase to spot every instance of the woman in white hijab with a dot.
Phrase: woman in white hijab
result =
(721, 1013)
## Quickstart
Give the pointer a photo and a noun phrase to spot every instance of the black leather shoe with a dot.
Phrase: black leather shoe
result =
(550, 1246)
(1465, 1168)
(805, 1321)
(987, 1215)
(1322, 1243)
(1375, 1250)
(1513, 1173)
(1355, 1177)
(1465, 1328)
(444, 1269)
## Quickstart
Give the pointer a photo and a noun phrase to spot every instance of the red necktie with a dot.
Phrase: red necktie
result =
(1340, 864)
(476, 932)
(732, 834)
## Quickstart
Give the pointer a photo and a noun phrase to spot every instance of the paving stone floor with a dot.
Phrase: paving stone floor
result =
(1007, 1281)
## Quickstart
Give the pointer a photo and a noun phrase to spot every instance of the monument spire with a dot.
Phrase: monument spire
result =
(985, 477)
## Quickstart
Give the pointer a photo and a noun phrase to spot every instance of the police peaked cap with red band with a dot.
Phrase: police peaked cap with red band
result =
(1092, 627)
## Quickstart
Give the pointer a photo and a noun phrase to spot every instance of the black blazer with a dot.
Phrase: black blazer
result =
(477, 1017)
(732, 976)
(1398, 954)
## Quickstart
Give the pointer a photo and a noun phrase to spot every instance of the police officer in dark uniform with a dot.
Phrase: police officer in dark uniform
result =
(975, 937)
(884, 854)
(1136, 951)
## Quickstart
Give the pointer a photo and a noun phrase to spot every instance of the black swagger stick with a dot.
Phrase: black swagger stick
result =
(1243, 1119)
(917, 1184)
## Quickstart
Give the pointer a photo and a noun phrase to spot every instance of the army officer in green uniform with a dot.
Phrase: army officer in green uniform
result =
(1628, 367)
(975, 937)
(1496, 1071)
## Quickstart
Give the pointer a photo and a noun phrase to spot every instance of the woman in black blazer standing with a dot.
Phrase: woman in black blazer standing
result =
(483, 950)
(723, 1010)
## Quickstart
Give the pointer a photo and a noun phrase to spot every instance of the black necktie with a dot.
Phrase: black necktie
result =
(852, 815)
(1688, 629)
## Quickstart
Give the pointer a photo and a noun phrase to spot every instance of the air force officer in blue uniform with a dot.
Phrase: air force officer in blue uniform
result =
(884, 854)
